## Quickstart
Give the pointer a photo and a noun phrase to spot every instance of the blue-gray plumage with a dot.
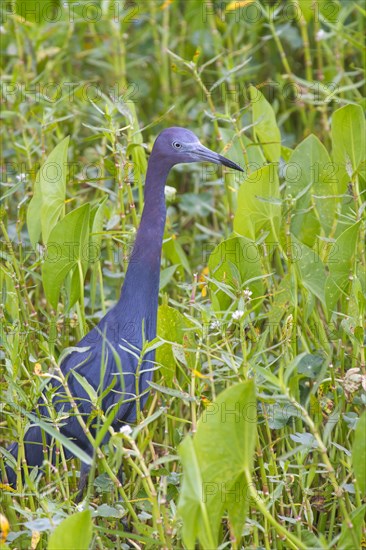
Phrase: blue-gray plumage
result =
(107, 357)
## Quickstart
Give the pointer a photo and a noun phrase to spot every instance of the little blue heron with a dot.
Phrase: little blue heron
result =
(108, 356)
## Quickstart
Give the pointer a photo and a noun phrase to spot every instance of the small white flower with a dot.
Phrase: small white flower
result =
(127, 430)
(247, 294)
(170, 192)
(215, 325)
(238, 314)
(320, 35)
(21, 177)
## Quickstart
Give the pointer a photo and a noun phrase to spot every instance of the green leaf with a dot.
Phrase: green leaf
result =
(175, 328)
(48, 201)
(268, 375)
(348, 141)
(310, 268)
(312, 542)
(307, 9)
(172, 392)
(10, 295)
(97, 217)
(256, 158)
(166, 275)
(36, 11)
(254, 214)
(89, 390)
(359, 453)
(33, 213)
(67, 249)
(282, 303)
(233, 264)
(96, 234)
(224, 448)
(174, 252)
(340, 263)
(191, 506)
(74, 533)
(265, 129)
(351, 537)
(310, 181)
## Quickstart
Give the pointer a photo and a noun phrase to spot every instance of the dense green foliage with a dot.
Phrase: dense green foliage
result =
(254, 434)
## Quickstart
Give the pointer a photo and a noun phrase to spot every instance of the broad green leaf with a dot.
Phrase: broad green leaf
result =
(311, 269)
(310, 181)
(191, 505)
(348, 141)
(359, 453)
(265, 129)
(67, 249)
(341, 264)
(213, 481)
(48, 201)
(73, 533)
(286, 153)
(173, 327)
(307, 9)
(329, 10)
(224, 444)
(259, 207)
(233, 264)
(53, 187)
(351, 537)
(256, 158)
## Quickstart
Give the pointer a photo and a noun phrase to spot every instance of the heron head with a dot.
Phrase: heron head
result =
(177, 145)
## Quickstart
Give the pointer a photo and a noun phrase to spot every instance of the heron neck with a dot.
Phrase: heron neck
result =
(140, 291)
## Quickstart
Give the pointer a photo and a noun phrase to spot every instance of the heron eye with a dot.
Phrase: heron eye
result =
(176, 145)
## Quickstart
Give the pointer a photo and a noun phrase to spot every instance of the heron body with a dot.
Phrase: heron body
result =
(108, 357)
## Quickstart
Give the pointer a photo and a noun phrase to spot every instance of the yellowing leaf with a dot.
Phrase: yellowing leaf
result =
(37, 369)
(202, 281)
(166, 4)
(199, 374)
(36, 535)
(4, 528)
(232, 6)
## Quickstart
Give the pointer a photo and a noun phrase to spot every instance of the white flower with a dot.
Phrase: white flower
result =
(126, 429)
(238, 314)
(247, 294)
(21, 177)
(215, 325)
(320, 35)
(170, 192)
